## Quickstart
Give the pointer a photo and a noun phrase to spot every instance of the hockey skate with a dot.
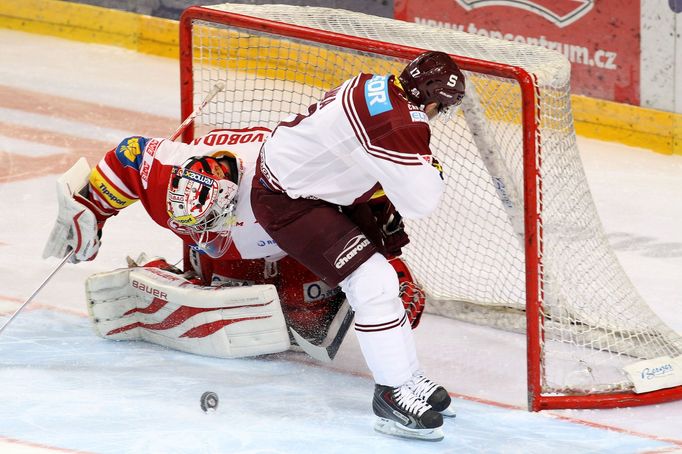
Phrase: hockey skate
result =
(402, 414)
(432, 393)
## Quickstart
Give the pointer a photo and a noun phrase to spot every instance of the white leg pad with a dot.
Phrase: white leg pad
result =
(163, 308)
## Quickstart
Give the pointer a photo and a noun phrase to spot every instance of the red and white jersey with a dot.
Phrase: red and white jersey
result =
(139, 168)
(361, 137)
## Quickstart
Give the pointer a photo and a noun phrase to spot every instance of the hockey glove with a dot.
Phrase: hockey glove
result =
(393, 230)
(381, 224)
(77, 228)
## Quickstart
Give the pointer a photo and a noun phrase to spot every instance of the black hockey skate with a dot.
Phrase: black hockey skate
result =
(403, 414)
(432, 393)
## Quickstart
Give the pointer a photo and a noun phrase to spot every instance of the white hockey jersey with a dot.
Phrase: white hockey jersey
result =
(139, 168)
(360, 138)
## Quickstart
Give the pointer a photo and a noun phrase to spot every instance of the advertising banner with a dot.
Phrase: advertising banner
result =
(600, 39)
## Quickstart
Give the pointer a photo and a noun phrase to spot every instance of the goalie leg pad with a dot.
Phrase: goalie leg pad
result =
(163, 308)
(308, 303)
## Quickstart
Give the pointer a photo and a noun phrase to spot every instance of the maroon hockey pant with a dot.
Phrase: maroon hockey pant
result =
(314, 232)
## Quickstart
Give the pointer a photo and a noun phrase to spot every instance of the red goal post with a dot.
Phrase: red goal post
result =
(274, 60)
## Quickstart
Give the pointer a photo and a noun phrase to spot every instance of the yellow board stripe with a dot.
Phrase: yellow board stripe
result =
(92, 24)
(631, 125)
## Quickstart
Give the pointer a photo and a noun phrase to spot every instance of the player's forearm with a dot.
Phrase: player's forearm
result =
(417, 193)
(113, 185)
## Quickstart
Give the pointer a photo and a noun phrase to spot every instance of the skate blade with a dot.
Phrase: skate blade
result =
(388, 427)
(449, 412)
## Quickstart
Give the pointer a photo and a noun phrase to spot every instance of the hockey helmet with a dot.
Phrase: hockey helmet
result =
(201, 201)
(433, 77)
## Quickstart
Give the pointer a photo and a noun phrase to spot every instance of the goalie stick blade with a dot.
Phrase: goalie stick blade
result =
(338, 328)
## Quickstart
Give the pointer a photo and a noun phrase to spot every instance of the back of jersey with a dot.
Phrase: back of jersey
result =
(330, 152)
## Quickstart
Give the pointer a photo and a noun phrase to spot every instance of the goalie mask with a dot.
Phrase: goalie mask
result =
(433, 77)
(201, 201)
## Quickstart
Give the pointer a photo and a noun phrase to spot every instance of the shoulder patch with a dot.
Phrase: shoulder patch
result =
(376, 95)
(129, 152)
(418, 115)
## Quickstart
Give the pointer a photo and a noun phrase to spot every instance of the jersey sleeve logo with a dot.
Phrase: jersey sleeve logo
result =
(129, 152)
(376, 95)
(114, 197)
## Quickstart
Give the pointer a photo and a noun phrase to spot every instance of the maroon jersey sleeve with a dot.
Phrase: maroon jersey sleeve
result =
(395, 137)
(392, 127)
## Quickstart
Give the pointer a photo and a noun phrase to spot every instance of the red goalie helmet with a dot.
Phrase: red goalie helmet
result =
(201, 201)
(433, 77)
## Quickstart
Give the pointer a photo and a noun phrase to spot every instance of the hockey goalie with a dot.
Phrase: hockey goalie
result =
(237, 293)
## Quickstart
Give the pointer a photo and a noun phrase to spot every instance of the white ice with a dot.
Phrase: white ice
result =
(63, 389)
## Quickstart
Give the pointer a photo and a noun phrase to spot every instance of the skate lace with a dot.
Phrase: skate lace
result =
(421, 386)
(411, 403)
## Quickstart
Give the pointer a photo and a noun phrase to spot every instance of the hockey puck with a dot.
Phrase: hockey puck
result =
(209, 401)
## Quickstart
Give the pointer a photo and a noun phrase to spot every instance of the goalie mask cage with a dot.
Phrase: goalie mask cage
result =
(516, 242)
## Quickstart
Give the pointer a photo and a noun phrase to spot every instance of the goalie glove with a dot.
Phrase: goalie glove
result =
(411, 293)
(77, 227)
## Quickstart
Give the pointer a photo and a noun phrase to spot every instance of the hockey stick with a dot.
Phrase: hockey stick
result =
(218, 87)
(338, 328)
(47, 279)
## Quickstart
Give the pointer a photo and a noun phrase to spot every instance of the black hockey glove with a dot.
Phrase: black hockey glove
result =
(382, 225)
(393, 230)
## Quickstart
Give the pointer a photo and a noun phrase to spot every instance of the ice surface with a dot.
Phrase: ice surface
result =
(63, 389)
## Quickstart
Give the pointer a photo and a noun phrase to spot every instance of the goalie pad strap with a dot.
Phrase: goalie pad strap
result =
(163, 308)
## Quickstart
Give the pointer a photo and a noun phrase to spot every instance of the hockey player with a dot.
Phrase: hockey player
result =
(191, 189)
(200, 191)
(365, 146)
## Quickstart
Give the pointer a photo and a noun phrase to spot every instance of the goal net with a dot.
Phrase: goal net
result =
(516, 243)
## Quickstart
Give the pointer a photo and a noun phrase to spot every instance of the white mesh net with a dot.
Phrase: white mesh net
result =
(469, 255)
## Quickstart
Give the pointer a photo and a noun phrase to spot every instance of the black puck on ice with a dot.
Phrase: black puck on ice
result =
(209, 401)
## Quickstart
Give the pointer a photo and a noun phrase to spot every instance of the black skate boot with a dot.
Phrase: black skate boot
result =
(432, 393)
(403, 414)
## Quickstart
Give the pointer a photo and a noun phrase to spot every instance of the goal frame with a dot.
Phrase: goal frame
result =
(532, 182)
